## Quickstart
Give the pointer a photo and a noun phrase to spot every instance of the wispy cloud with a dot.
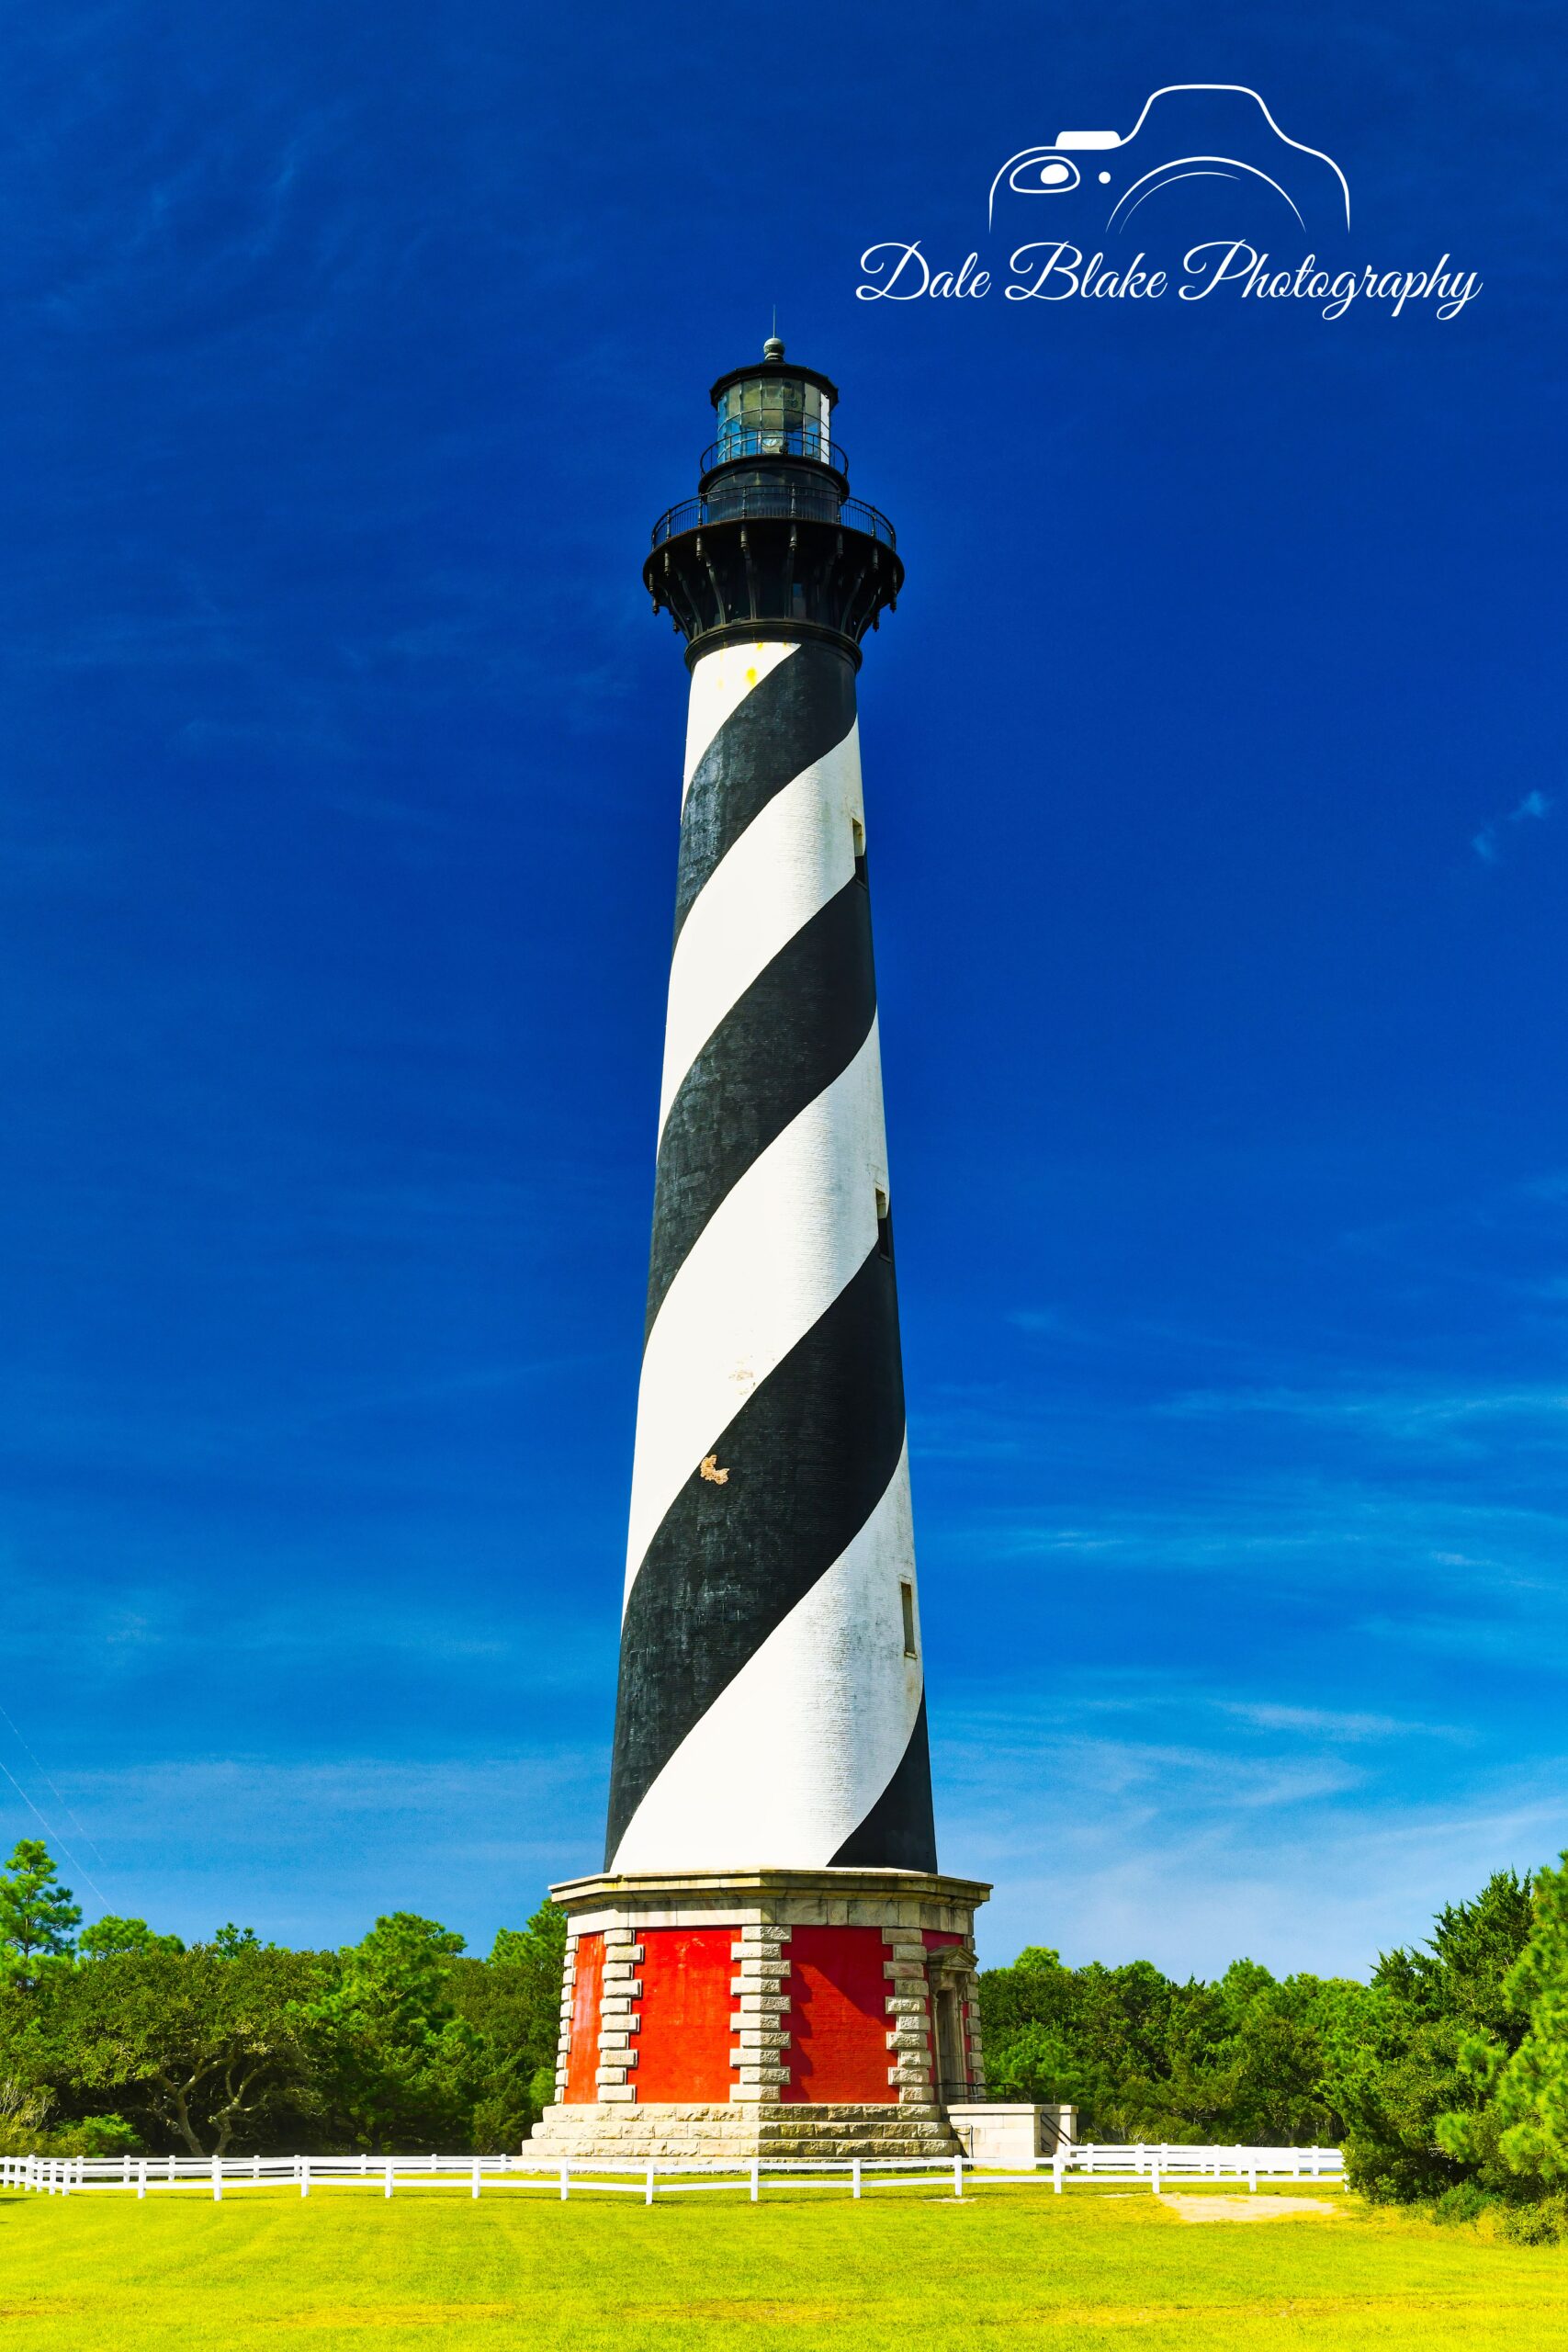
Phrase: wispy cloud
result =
(1401, 1413)
(478, 1837)
(1324, 1721)
(1193, 1855)
(1487, 842)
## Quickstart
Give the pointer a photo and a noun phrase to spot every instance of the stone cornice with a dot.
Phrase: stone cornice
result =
(636, 1887)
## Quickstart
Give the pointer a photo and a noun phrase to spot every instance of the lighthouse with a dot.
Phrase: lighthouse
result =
(770, 1960)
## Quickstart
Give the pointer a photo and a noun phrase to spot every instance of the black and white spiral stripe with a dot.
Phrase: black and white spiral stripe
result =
(770, 1711)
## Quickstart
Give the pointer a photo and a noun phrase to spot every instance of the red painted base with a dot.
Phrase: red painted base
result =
(838, 2016)
(823, 2013)
(684, 2019)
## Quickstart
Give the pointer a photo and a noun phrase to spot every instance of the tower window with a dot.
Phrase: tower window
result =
(907, 1594)
(857, 835)
(883, 1226)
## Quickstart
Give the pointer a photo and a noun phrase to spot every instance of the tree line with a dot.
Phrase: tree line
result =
(118, 2040)
(1444, 2078)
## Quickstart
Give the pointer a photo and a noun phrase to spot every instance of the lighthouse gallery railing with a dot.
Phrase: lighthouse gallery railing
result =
(743, 502)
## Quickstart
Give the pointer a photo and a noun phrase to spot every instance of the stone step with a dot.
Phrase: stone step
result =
(798, 2132)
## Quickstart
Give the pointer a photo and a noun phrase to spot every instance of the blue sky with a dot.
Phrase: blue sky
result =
(1220, 836)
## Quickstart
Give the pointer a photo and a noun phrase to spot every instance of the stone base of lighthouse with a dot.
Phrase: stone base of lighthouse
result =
(727, 2015)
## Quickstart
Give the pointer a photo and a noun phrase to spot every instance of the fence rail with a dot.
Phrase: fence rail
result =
(1159, 2164)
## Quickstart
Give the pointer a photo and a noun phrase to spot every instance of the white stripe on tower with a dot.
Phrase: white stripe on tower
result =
(771, 1706)
(821, 1713)
(768, 1264)
(792, 859)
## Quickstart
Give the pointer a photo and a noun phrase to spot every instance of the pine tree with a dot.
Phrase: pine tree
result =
(36, 1915)
(1532, 2093)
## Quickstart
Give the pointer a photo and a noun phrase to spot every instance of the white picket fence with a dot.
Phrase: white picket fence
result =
(1168, 2160)
(1166, 2164)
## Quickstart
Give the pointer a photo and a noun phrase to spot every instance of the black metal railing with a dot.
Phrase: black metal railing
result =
(764, 440)
(803, 503)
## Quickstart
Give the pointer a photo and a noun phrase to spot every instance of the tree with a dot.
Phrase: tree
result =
(36, 1915)
(513, 2003)
(108, 1938)
(1141, 2057)
(400, 2068)
(1413, 2070)
(230, 1940)
(1533, 2088)
(212, 2046)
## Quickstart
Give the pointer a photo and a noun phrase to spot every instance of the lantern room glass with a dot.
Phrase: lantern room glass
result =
(772, 415)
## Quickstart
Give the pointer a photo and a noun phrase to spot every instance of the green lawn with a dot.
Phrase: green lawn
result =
(805, 2269)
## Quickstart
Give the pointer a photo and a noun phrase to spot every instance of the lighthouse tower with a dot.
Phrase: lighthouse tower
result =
(770, 1961)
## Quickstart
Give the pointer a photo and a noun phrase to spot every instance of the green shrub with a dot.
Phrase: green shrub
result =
(1463, 2203)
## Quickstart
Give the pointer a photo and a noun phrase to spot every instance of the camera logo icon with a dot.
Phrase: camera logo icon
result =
(1194, 144)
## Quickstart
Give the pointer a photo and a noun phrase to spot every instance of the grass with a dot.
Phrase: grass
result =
(906, 2269)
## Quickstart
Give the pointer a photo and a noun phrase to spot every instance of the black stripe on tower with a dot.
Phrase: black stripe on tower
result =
(795, 716)
(782, 1044)
(809, 1455)
(899, 1832)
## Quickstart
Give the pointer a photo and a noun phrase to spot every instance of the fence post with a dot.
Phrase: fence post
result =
(1252, 2180)
(958, 2176)
(388, 2191)
(854, 2170)
(218, 2180)
(475, 2190)
(1154, 2177)
(648, 2192)
(304, 2175)
(756, 2178)
(565, 2182)
(1057, 2170)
